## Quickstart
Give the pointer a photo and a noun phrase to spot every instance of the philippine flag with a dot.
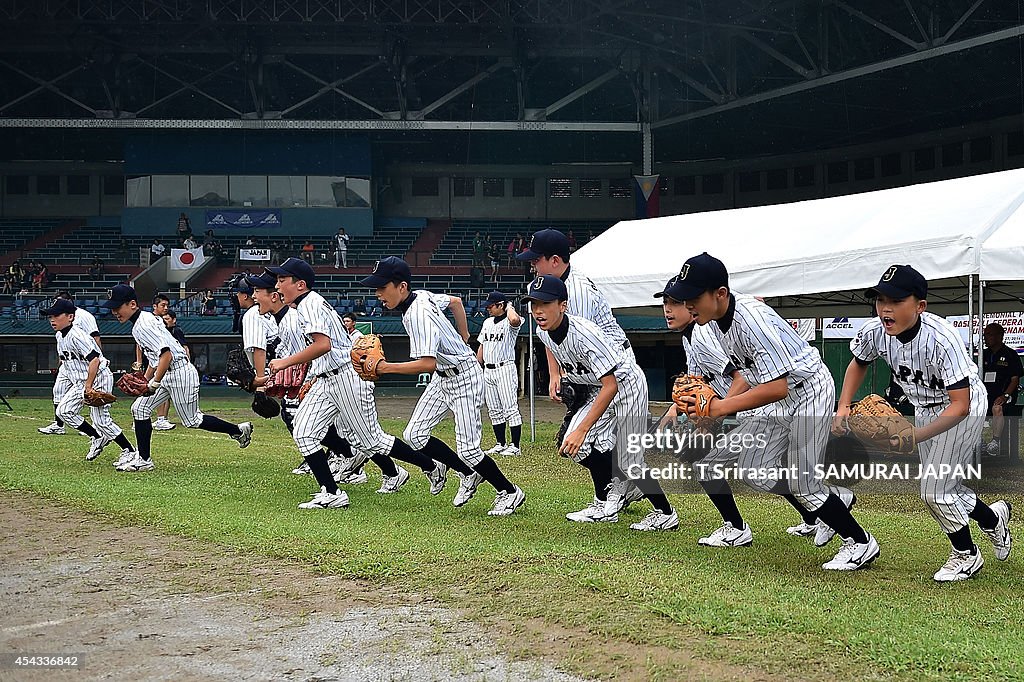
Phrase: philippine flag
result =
(186, 259)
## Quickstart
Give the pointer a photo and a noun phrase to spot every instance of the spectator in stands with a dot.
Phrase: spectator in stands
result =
(493, 256)
(572, 241)
(124, 251)
(156, 250)
(96, 269)
(479, 250)
(341, 249)
(514, 247)
(10, 282)
(209, 303)
(28, 273)
(309, 252)
(249, 241)
(189, 243)
(590, 236)
(184, 226)
(41, 278)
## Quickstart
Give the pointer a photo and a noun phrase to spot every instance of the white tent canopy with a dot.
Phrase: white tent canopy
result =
(815, 258)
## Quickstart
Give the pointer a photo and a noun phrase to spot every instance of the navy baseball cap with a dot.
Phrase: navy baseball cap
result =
(545, 244)
(900, 281)
(546, 288)
(266, 280)
(59, 307)
(120, 295)
(390, 269)
(297, 268)
(698, 274)
(242, 286)
(495, 297)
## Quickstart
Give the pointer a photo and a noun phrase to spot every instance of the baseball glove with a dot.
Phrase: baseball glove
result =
(287, 382)
(135, 384)
(265, 406)
(305, 389)
(693, 386)
(239, 370)
(94, 398)
(367, 353)
(877, 423)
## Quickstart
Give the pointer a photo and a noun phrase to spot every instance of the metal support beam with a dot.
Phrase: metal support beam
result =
(43, 85)
(191, 86)
(775, 54)
(49, 86)
(838, 77)
(331, 87)
(960, 22)
(456, 91)
(581, 91)
(715, 97)
(888, 30)
(371, 124)
(184, 88)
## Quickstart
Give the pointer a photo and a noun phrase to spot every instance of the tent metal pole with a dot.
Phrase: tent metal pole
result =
(529, 364)
(981, 327)
(970, 314)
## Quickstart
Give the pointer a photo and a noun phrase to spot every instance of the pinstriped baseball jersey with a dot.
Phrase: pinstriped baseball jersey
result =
(431, 334)
(76, 349)
(256, 330)
(152, 336)
(926, 363)
(316, 316)
(85, 321)
(587, 301)
(288, 332)
(585, 354)
(762, 345)
(355, 336)
(498, 338)
(705, 357)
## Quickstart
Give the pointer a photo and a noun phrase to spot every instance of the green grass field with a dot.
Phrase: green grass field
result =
(769, 607)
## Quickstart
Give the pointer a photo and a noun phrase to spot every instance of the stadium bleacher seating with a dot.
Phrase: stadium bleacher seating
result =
(457, 246)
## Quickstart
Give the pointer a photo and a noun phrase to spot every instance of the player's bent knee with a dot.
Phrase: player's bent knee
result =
(416, 439)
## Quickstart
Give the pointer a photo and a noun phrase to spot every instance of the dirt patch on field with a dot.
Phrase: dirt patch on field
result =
(137, 604)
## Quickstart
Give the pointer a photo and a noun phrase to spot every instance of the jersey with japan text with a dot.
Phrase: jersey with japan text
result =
(316, 316)
(76, 349)
(498, 338)
(431, 334)
(586, 353)
(586, 301)
(762, 346)
(152, 336)
(925, 365)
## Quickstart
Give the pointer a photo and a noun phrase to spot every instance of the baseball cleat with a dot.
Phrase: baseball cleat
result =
(302, 469)
(992, 448)
(803, 530)
(126, 454)
(326, 500)
(633, 494)
(391, 484)
(1000, 536)
(615, 501)
(592, 513)
(136, 463)
(657, 520)
(511, 451)
(357, 478)
(343, 467)
(824, 532)
(467, 489)
(245, 437)
(960, 566)
(52, 429)
(162, 424)
(496, 450)
(853, 555)
(96, 446)
(438, 477)
(505, 503)
(728, 536)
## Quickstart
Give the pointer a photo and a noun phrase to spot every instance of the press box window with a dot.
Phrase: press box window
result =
(712, 184)
(560, 188)
(47, 184)
(620, 189)
(17, 184)
(78, 184)
(424, 187)
(523, 187)
(494, 187)
(590, 189)
(464, 187)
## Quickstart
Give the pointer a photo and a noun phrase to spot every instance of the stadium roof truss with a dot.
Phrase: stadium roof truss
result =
(511, 65)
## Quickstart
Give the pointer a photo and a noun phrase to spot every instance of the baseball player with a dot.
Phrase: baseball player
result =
(457, 383)
(338, 396)
(85, 321)
(497, 354)
(586, 356)
(786, 373)
(170, 375)
(349, 320)
(705, 357)
(928, 359)
(548, 253)
(161, 306)
(84, 369)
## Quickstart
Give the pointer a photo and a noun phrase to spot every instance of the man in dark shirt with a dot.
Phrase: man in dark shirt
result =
(1001, 367)
(171, 322)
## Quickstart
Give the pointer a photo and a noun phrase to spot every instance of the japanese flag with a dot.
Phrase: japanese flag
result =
(186, 259)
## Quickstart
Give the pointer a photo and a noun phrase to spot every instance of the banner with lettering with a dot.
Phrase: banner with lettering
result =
(244, 218)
